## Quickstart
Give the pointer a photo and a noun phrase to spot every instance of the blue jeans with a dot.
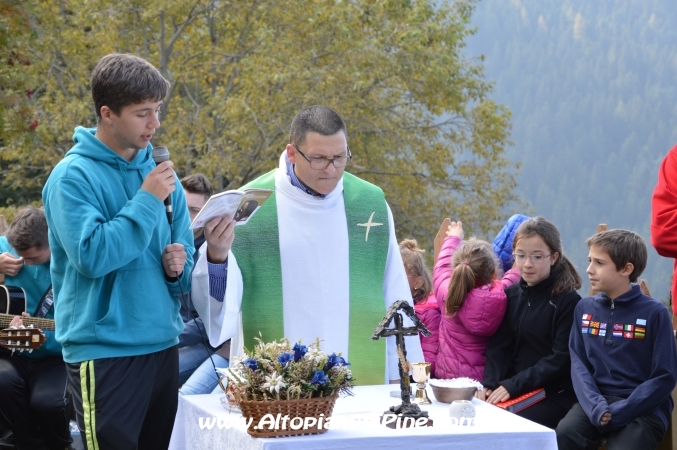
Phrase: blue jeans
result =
(190, 358)
(192, 350)
(204, 380)
(193, 333)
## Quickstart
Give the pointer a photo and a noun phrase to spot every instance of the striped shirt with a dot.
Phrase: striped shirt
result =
(218, 275)
(296, 182)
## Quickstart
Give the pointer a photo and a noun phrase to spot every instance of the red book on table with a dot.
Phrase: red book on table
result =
(515, 405)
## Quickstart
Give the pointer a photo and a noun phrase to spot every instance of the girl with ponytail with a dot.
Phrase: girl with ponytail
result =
(472, 302)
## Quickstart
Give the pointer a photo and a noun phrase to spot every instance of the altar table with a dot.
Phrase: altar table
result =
(355, 424)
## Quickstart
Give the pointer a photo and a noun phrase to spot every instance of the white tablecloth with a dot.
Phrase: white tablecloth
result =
(356, 421)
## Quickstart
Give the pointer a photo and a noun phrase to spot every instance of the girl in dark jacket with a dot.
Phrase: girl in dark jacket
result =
(530, 349)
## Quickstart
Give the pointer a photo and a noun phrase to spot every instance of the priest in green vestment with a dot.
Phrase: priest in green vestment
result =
(318, 259)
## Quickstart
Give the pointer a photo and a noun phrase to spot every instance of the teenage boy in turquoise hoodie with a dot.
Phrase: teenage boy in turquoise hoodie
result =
(118, 266)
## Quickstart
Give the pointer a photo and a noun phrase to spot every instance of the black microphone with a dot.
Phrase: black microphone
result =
(161, 154)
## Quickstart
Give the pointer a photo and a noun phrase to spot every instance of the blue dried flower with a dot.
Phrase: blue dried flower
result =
(284, 358)
(252, 363)
(299, 351)
(319, 378)
(335, 360)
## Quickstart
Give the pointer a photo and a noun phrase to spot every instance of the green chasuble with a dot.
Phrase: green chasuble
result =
(257, 250)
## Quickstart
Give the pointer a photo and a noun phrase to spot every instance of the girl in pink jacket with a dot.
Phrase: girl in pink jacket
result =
(425, 303)
(472, 303)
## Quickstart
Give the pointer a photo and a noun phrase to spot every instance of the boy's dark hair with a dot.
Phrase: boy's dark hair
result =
(119, 80)
(318, 119)
(28, 230)
(197, 183)
(567, 278)
(623, 246)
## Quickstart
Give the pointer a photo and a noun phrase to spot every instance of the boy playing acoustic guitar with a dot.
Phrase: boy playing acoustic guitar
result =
(32, 385)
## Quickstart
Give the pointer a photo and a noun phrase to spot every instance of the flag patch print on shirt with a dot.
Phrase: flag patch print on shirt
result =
(640, 328)
(589, 326)
(629, 331)
(620, 330)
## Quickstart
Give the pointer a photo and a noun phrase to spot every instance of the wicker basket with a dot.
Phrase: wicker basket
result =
(318, 408)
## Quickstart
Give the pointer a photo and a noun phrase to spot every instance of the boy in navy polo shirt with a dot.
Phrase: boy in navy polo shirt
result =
(623, 360)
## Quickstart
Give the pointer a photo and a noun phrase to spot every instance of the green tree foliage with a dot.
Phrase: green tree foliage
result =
(420, 122)
(591, 86)
(16, 29)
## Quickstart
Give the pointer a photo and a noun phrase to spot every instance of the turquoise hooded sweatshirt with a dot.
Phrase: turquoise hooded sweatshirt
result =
(107, 235)
(35, 281)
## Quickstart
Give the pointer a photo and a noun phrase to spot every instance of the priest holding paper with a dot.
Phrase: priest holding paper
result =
(319, 258)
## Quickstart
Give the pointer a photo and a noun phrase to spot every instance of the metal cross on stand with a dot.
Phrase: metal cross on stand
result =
(406, 409)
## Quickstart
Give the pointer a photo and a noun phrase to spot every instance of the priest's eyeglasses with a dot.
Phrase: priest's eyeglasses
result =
(322, 163)
(535, 259)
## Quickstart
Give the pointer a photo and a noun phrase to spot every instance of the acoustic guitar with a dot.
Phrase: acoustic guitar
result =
(13, 303)
(37, 322)
(12, 300)
(22, 339)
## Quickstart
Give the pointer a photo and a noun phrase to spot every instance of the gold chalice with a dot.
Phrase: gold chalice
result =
(421, 374)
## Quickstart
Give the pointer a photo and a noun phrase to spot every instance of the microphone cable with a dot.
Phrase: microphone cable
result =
(194, 315)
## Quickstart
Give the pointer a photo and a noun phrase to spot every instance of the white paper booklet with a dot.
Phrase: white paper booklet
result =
(241, 204)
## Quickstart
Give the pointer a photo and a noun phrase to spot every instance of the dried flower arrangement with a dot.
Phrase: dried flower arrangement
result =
(279, 371)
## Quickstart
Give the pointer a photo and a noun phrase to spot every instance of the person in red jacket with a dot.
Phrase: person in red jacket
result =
(664, 214)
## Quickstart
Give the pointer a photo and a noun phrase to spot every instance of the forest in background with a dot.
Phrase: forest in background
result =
(593, 100)
(432, 139)
(588, 83)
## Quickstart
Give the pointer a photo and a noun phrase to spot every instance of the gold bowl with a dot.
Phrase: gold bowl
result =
(449, 394)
